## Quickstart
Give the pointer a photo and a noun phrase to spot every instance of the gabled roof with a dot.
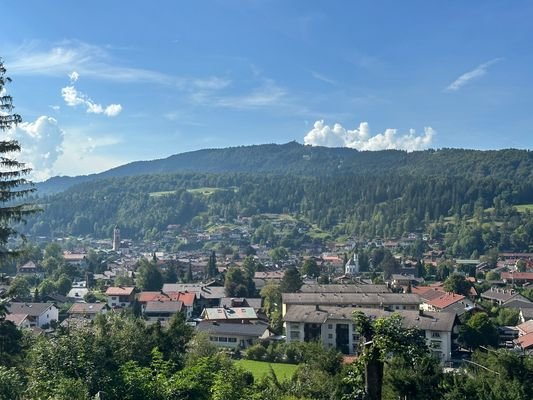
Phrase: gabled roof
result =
(344, 288)
(170, 307)
(119, 291)
(434, 321)
(362, 299)
(526, 327)
(17, 319)
(186, 298)
(253, 330)
(427, 293)
(255, 303)
(525, 341)
(31, 309)
(527, 276)
(499, 294)
(207, 291)
(87, 308)
(445, 300)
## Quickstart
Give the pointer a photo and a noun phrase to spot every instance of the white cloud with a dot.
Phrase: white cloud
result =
(74, 98)
(113, 110)
(74, 76)
(84, 154)
(361, 139)
(476, 73)
(41, 145)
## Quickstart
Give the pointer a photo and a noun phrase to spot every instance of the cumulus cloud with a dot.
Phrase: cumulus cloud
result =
(361, 139)
(74, 98)
(476, 73)
(42, 144)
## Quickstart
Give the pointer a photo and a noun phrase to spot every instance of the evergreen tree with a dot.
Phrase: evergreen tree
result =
(212, 265)
(13, 185)
(291, 281)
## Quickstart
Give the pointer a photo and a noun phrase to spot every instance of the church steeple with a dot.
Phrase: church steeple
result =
(116, 238)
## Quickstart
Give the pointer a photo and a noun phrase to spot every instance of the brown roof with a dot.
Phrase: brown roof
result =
(526, 341)
(119, 291)
(17, 319)
(445, 300)
(517, 275)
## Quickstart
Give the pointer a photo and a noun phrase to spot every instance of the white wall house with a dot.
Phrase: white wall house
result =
(38, 314)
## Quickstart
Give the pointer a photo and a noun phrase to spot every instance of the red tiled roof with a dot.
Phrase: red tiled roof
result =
(526, 341)
(186, 298)
(445, 300)
(119, 291)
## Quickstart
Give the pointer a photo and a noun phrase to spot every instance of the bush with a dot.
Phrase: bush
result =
(256, 352)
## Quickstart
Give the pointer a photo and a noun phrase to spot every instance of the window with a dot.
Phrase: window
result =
(295, 334)
(222, 339)
(435, 334)
(330, 326)
(232, 340)
(330, 335)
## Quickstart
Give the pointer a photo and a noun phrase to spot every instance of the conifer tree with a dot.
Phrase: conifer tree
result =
(13, 185)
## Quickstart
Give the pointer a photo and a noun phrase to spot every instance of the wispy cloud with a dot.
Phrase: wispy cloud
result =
(266, 94)
(86, 59)
(476, 73)
(323, 78)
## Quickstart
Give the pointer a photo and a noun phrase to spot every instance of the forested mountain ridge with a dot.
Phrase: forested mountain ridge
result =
(296, 159)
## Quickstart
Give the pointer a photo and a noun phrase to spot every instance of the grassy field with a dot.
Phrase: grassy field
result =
(523, 207)
(259, 369)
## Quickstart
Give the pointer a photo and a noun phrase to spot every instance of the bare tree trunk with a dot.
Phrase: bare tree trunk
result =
(374, 377)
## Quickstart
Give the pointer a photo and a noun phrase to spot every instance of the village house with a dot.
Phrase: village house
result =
(30, 269)
(501, 296)
(448, 302)
(119, 296)
(207, 294)
(187, 300)
(239, 315)
(517, 278)
(38, 314)
(334, 327)
(161, 310)
(87, 310)
(231, 335)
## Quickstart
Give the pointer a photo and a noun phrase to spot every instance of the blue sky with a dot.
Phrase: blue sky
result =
(102, 83)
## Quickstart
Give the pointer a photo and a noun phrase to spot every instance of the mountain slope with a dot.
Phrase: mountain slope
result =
(296, 159)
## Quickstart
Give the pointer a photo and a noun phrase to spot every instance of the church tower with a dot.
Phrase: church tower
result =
(352, 266)
(116, 238)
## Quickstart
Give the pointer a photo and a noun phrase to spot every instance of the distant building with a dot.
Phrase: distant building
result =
(37, 314)
(334, 327)
(116, 238)
(118, 296)
(352, 266)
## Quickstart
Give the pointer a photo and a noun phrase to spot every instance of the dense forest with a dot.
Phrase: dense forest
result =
(296, 159)
(472, 209)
